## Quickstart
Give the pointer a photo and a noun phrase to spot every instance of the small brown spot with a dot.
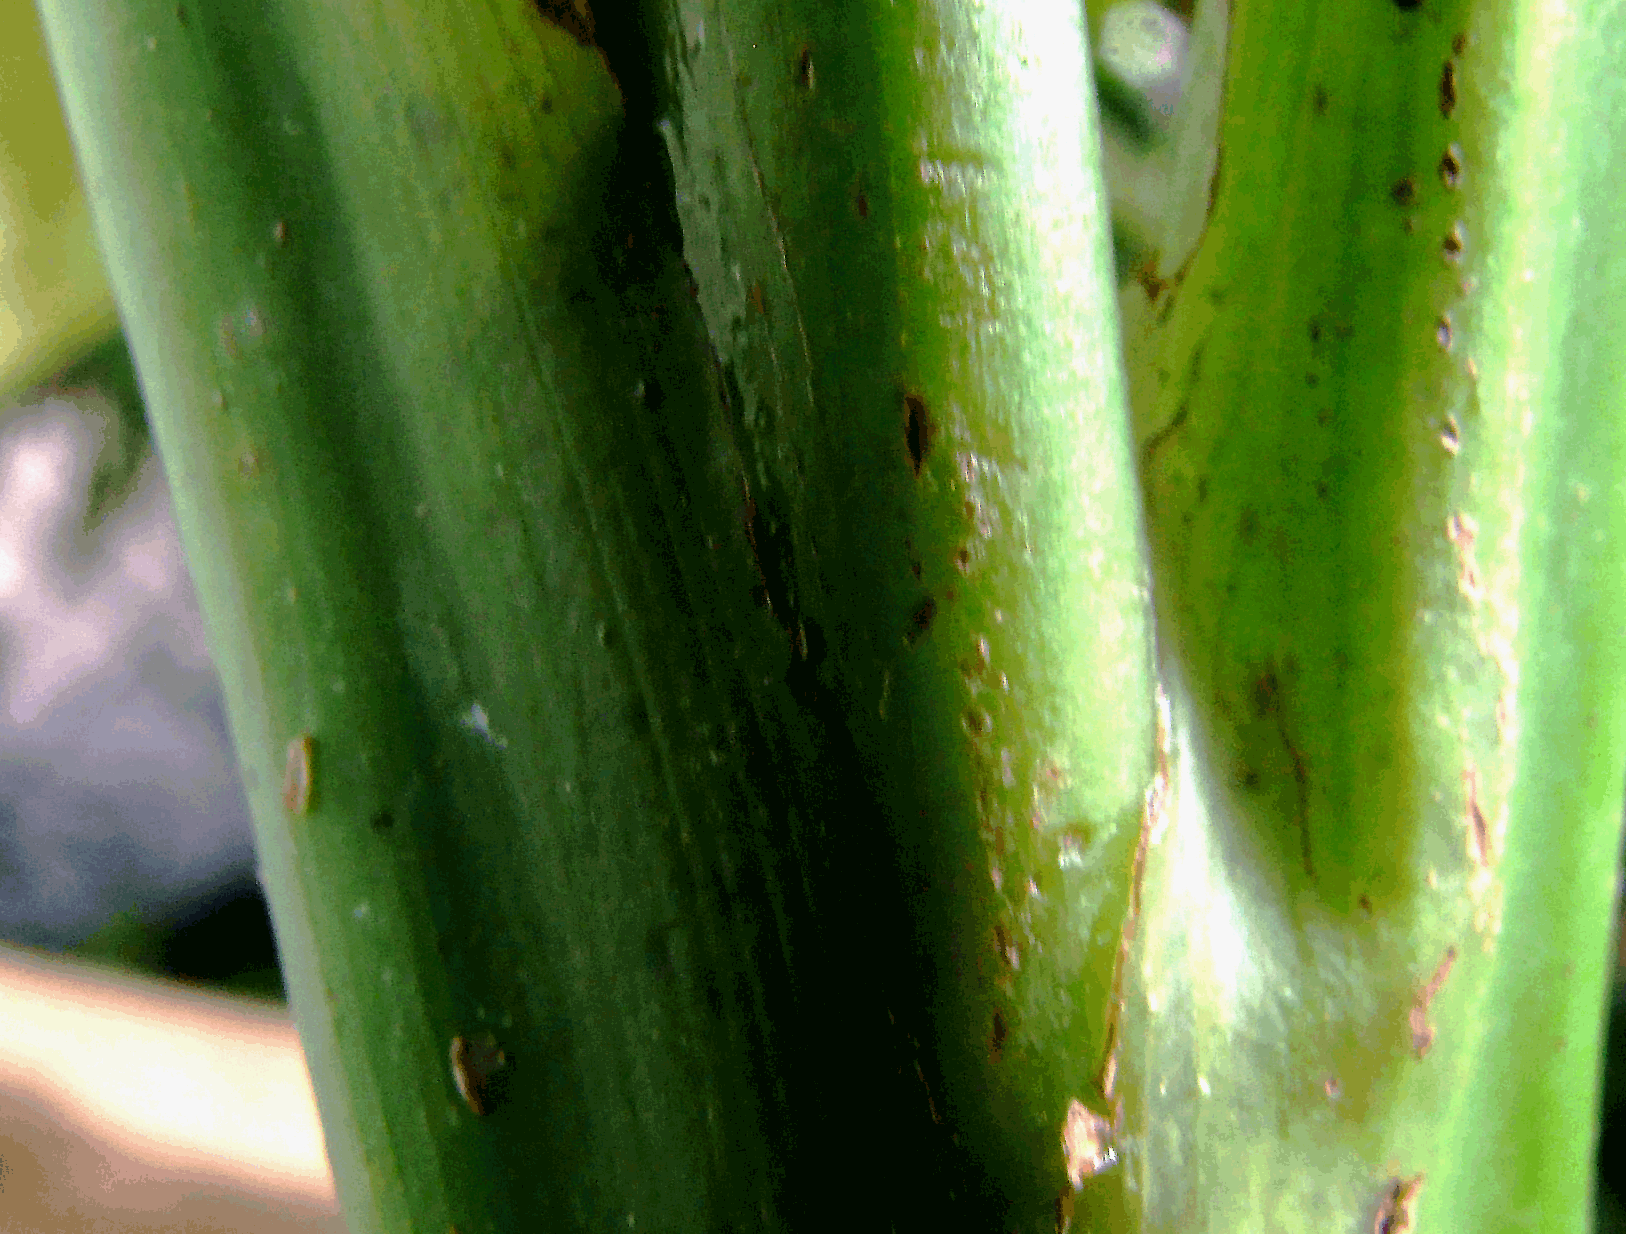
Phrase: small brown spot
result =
(477, 1070)
(996, 1038)
(1459, 42)
(1452, 244)
(1332, 1088)
(296, 775)
(1451, 166)
(1442, 332)
(1397, 1210)
(962, 559)
(1408, 5)
(804, 69)
(1404, 191)
(917, 431)
(920, 621)
(755, 297)
(862, 203)
(1451, 435)
(1366, 904)
(279, 232)
(1448, 88)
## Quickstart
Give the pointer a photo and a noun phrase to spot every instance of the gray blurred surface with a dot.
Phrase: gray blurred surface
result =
(118, 786)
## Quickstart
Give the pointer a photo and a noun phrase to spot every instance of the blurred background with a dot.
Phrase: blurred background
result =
(150, 1079)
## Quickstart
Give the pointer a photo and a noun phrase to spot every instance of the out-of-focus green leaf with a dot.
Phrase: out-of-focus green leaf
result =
(55, 304)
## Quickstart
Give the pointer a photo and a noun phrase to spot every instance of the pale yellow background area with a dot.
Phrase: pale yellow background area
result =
(128, 1105)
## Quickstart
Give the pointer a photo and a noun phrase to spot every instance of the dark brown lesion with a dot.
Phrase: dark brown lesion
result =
(920, 621)
(1448, 88)
(918, 431)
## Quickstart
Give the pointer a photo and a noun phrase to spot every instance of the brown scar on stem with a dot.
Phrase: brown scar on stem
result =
(1478, 828)
(1451, 166)
(1448, 89)
(1156, 802)
(1398, 1209)
(297, 775)
(1422, 1032)
(748, 516)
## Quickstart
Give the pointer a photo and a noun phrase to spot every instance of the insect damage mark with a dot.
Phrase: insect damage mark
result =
(1422, 1032)
(1397, 1212)
(918, 431)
